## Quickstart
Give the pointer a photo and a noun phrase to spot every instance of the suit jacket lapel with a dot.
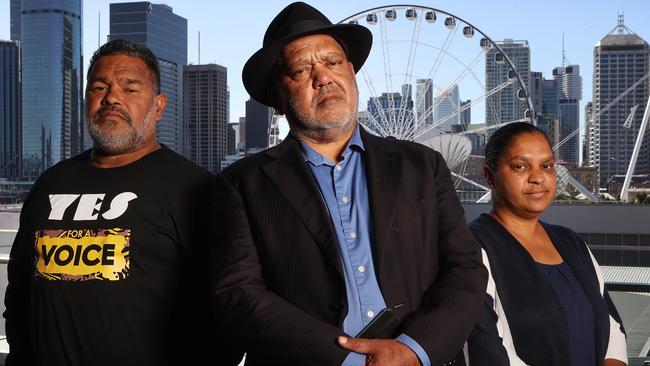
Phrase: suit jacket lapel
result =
(295, 183)
(383, 169)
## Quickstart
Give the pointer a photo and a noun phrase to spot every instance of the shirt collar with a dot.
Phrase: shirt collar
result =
(312, 156)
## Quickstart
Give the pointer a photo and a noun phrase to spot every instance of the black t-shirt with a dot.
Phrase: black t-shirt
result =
(107, 267)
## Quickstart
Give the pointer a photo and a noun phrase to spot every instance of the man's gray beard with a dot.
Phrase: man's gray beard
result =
(114, 144)
(320, 130)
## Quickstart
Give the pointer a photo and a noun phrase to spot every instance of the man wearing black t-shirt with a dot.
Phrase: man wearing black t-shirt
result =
(107, 267)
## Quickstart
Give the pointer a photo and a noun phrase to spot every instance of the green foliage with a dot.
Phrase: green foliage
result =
(642, 198)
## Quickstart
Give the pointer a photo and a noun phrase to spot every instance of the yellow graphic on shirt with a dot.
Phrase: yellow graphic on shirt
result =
(81, 255)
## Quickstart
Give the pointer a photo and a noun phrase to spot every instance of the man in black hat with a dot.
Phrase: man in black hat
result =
(315, 237)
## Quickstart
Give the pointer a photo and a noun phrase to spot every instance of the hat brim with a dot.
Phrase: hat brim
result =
(256, 73)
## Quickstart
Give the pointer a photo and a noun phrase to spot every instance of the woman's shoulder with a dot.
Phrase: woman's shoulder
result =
(484, 227)
(484, 222)
(562, 232)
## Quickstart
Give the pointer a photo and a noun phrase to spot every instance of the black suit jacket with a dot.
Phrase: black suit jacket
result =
(277, 281)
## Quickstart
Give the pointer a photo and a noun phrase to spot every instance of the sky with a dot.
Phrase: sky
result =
(231, 31)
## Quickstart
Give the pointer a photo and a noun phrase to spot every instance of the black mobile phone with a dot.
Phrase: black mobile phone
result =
(383, 326)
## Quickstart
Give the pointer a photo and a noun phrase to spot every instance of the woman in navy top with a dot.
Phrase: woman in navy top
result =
(545, 302)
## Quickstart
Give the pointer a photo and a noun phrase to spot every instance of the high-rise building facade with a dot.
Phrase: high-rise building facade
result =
(206, 115)
(589, 151)
(544, 97)
(10, 121)
(568, 83)
(165, 34)
(621, 58)
(550, 124)
(50, 35)
(424, 102)
(258, 121)
(391, 114)
(549, 98)
(446, 106)
(231, 140)
(465, 113)
(536, 82)
(543, 94)
(241, 138)
(506, 105)
(15, 21)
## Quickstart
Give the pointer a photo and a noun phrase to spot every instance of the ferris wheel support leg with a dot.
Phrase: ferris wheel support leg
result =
(582, 189)
(485, 198)
(635, 154)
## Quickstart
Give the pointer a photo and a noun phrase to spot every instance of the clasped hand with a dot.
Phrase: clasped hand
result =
(379, 352)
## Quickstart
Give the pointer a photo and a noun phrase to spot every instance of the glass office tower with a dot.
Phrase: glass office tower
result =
(165, 34)
(49, 32)
(10, 131)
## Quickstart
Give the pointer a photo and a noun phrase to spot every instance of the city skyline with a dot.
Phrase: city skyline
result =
(584, 23)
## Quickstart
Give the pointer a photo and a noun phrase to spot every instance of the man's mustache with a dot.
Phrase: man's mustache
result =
(328, 92)
(124, 114)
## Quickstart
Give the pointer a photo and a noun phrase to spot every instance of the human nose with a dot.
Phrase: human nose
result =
(111, 97)
(536, 176)
(321, 76)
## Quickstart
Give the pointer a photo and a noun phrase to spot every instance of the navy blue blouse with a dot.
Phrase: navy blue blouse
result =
(577, 311)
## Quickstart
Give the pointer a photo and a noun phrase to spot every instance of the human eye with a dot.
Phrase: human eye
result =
(299, 71)
(97, 88)
(519, 167)
(548, 166)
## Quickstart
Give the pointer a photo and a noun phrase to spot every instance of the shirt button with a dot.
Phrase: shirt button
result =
(362, 269)
(345, 199)
(353, 234)
(338, 168)
(370, 313)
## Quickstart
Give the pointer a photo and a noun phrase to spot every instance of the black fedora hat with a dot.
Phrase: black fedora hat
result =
(295, 21)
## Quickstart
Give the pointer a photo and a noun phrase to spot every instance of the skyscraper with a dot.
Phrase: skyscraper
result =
(165, 33)
(550, 98)
(15, 8)
(231, 140)
(536, 82)
(620, 59)
(424, 102)
(506, 105)
(206, 115)
(446, 105)
(550, 124)
(258, 121)
(589, 151)
(51, 60)
(10, 121)
(465, 113)
(391, 114)
(544, 97)
(568, 83)
(241, 139)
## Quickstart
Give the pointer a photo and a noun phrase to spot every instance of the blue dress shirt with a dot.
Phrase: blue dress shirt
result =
(344, 190)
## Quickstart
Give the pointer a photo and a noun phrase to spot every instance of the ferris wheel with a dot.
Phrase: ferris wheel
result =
(423, 62)
(426, 78)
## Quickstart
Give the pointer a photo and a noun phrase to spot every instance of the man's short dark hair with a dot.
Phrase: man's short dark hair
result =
(129, 48)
